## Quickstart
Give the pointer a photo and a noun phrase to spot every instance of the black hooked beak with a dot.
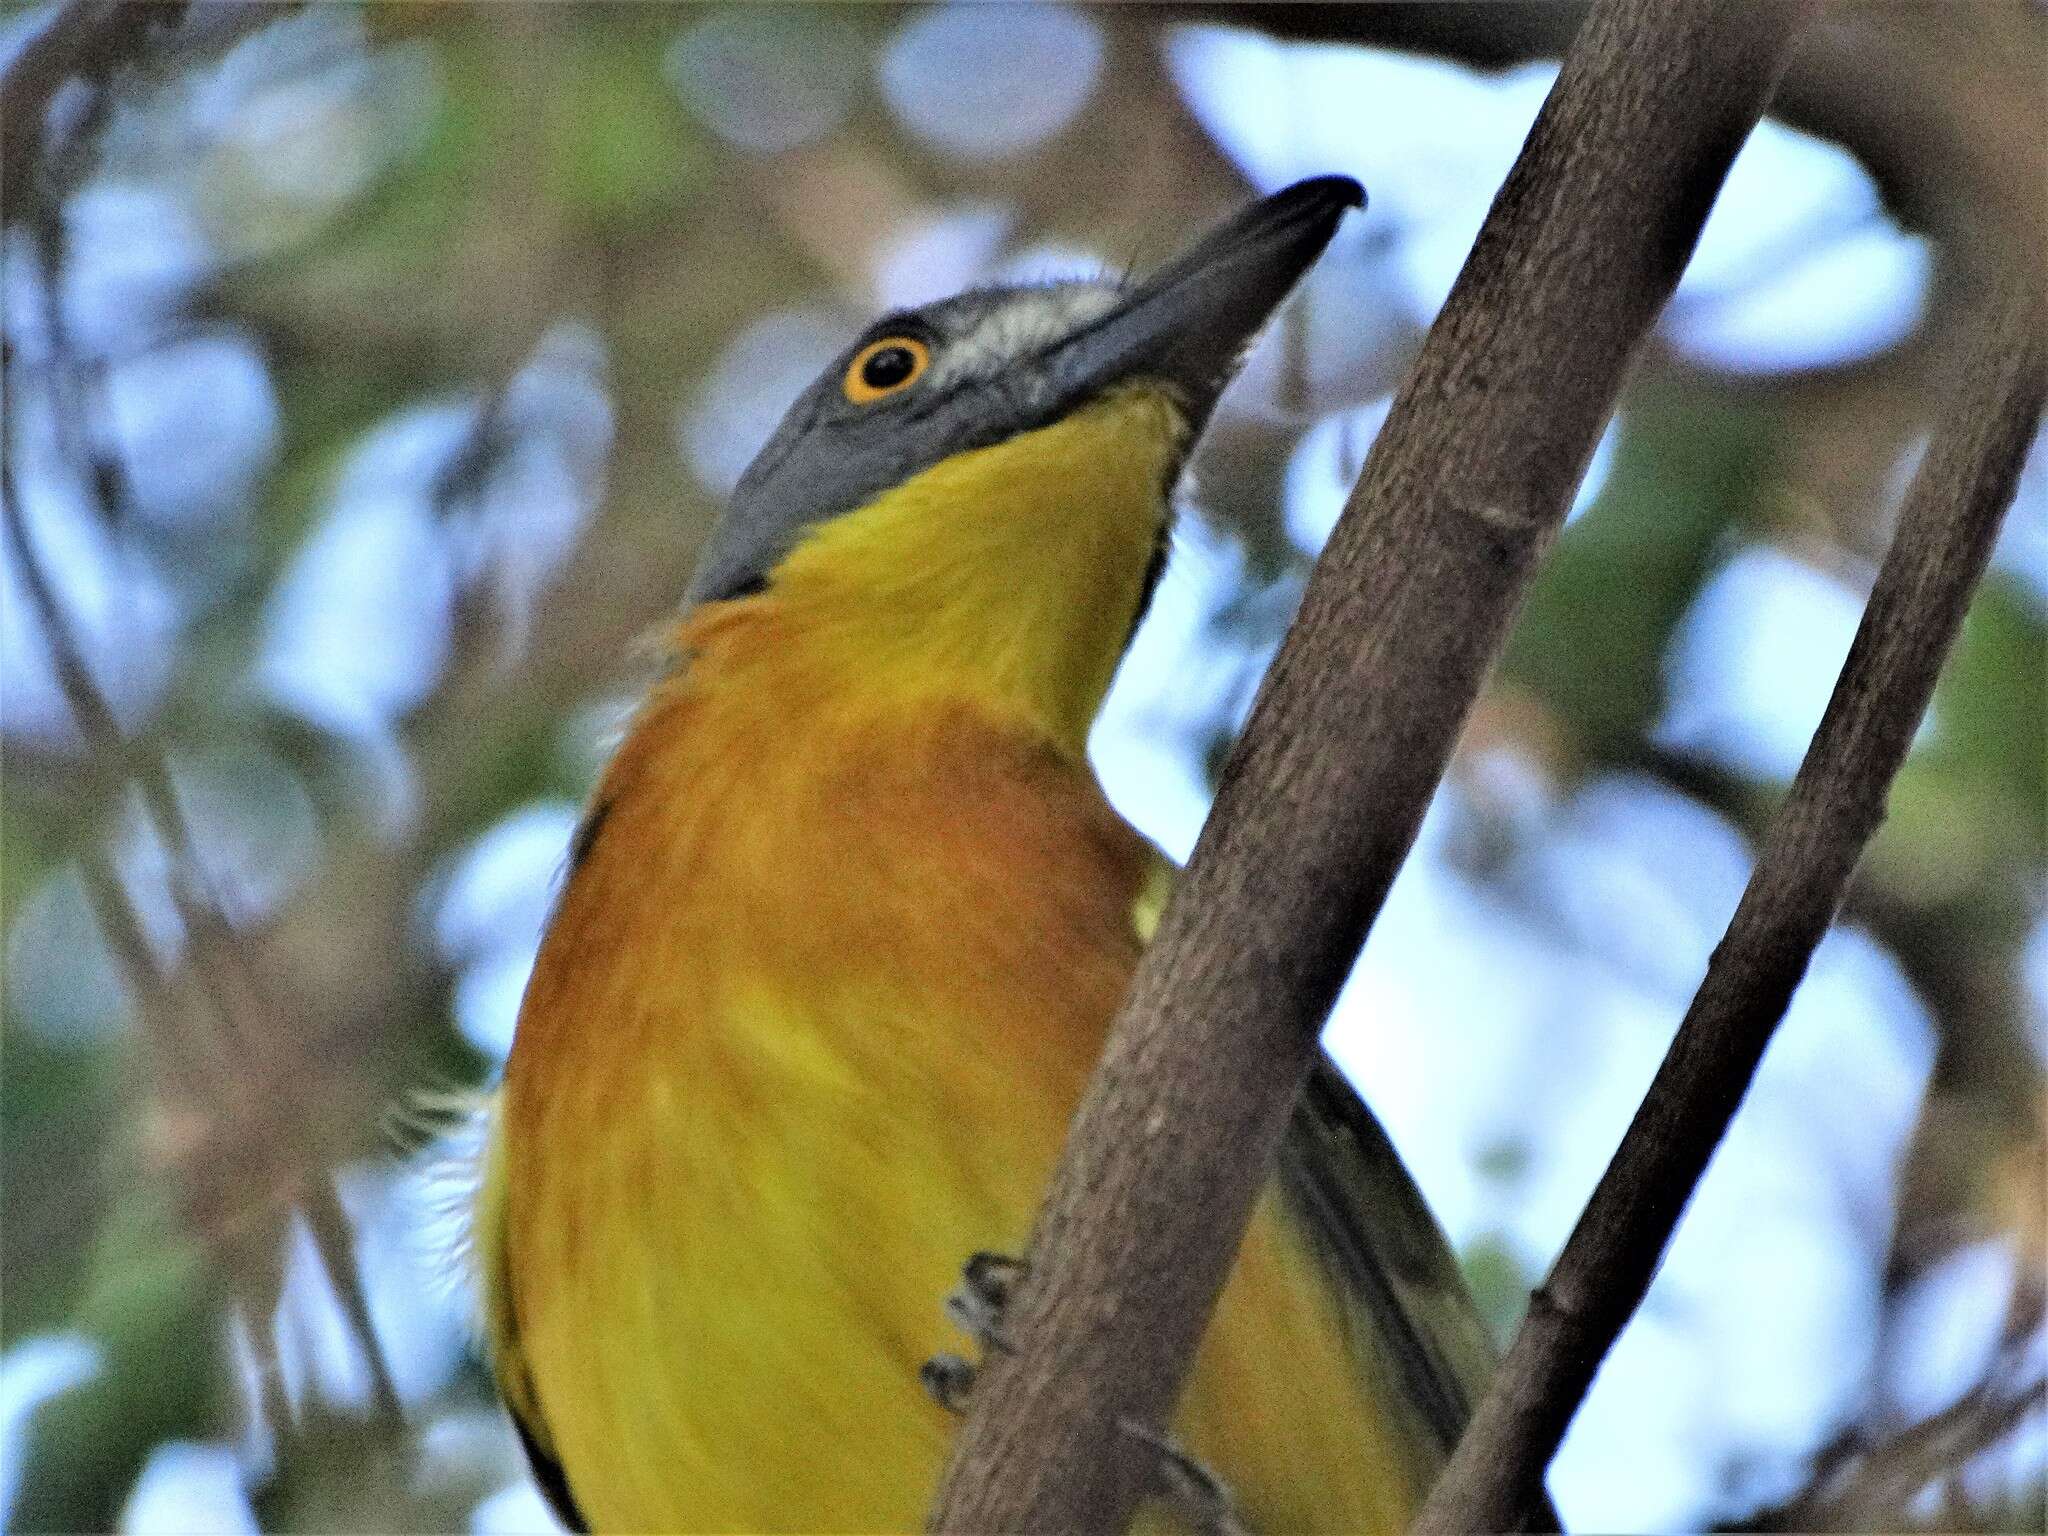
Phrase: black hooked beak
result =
(1190, 324)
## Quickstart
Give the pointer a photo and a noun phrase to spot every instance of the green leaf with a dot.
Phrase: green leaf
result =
(1592, 637)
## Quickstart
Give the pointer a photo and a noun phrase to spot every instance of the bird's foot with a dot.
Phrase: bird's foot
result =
(1196, 1496)
(947, 1381)
(975, 1306)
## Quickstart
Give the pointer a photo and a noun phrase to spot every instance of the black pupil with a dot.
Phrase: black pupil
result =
(888, 368)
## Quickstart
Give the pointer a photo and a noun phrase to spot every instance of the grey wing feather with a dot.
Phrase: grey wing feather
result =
(1403, 1295)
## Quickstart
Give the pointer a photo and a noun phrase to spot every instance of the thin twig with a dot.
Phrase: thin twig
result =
(89, 40)
(83, 41)
(1320, 802)
(321, 1205)
(1861, 1484)
(1835, 804)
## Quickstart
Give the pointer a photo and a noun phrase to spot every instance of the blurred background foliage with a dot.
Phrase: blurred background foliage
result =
(372, 373)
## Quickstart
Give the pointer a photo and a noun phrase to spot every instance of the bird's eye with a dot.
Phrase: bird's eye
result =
(883, 367)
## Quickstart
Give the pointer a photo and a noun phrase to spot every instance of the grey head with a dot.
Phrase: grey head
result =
(922, 385)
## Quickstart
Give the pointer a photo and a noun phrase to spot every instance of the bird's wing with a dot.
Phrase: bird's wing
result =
(1412, 1320)
(501, 1332)
(549, 1477)
(1411, 1317)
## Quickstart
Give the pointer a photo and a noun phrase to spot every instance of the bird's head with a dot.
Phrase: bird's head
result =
(972, 498)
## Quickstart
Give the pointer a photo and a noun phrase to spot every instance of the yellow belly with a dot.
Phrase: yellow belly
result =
(738, 1349)
(792, 1051)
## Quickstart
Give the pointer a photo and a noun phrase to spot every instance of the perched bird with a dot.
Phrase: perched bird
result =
(840, 939)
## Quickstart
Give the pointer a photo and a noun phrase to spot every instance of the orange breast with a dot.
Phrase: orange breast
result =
(806, 1031)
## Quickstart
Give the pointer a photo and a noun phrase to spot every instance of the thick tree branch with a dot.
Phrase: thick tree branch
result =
(1944, 537)
(1320, 801)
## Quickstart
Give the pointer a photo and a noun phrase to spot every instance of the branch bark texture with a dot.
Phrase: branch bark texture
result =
(1320, 802)
(1836, 802)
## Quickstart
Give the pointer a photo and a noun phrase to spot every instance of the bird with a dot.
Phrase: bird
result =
(839, 939)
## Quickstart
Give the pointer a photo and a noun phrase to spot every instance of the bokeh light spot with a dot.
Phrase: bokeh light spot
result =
(62, 983)
(1754, 660)
(982, 82)
(767, 77)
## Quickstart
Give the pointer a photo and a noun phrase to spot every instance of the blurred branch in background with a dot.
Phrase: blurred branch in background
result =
(1932, 99)
(84, 40)
(372, 378)
(228, 1128)
(1861, 1484)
